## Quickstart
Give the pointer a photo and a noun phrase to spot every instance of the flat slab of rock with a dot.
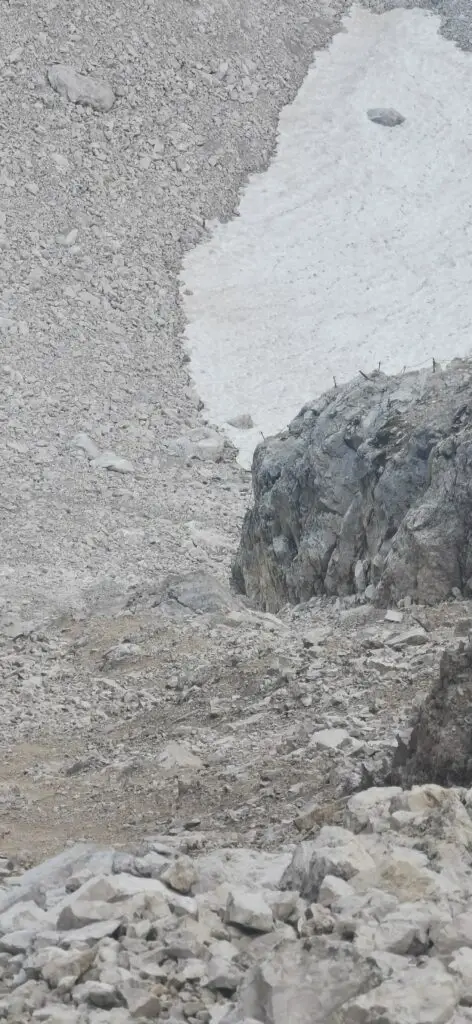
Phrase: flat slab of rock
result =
(78, 88)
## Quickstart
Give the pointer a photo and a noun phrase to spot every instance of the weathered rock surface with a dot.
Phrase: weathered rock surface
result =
(440, 747)
(367, 491)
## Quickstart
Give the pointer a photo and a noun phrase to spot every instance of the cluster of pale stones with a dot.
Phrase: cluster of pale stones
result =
(361, 923)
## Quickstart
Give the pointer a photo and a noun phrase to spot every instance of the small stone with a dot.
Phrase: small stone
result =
(448, 938)
(15, 55)
(333, 889)
(285, 906)
(405, 931)
(410, 638)
(23, 916)
(417, 995)
(393, 615)
(17, 942)
(242, 422)
(369, 806)
(88, 446)
(315, 637)
(115, 463)
(141, 1002)
(57, 1013)
(330, 739)
(60, 161)
(359, 577)
(335, 851)
(98, 993)
(79, 88)
(60, 965)
(461, 965)
(85, 912)
(249, 910)
(308, 816)
(463, 627)
(223, 975)
(71, 237)
(186, 942)
(175, 756)
(180, 875)
(387, 116)
(318, 920)
(193, 970)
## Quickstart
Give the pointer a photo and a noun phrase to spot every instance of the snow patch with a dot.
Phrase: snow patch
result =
(354, 247)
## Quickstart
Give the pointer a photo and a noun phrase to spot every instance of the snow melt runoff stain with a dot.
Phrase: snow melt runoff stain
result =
(355, 246)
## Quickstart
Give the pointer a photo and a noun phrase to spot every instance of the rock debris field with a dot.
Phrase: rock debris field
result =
(235, 760)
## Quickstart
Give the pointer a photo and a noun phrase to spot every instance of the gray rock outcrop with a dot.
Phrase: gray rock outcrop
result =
(440, 746)
(368, 490)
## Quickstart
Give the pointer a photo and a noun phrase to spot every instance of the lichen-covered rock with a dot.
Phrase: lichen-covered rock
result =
(368, 490)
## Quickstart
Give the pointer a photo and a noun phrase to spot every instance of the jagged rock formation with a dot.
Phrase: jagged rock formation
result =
(368, 490)
(440, 747)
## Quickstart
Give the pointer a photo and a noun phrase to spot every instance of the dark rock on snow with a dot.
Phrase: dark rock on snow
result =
(387, 116)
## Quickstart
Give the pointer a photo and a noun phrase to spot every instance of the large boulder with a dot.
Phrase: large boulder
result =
(440, 746)
(370, 486)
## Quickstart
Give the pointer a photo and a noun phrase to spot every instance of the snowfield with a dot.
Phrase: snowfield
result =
(354, 247)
